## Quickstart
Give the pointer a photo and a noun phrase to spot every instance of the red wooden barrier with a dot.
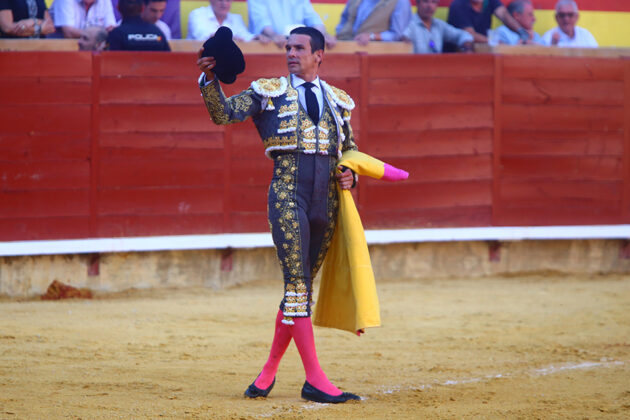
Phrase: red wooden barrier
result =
(120, 144)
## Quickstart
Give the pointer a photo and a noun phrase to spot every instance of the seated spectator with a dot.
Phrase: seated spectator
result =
(152, 12)
(24, 19)
(204, 22)
(276, 18)
(523, 12)
(475, 17)
(373, 20)
(93, 38)
(428, 34)
(134, 34)
(567, 34)
(170, 17)
(72, 16)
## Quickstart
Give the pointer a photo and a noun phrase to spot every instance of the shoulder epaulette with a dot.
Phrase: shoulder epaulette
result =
(270, 88)
(340, 97)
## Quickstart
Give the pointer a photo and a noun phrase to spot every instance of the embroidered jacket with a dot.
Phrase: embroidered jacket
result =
(280, 119)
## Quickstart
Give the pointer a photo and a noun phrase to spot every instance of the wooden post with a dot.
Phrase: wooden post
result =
(496, 140)
(95, 164)
(625, 202)
(364, 71)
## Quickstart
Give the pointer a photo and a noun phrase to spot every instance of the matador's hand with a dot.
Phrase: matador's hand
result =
(345, 178)
(206, 64)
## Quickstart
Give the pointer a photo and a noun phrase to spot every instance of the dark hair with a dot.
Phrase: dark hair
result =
(517, 6)
(153, 1)
(129, 8)
(317, 39)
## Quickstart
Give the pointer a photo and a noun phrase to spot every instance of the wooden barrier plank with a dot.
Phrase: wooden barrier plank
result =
(150, 90)
(430, 91)
(246, 142)
(131, 172)
(207, 140)
(554, 215)
(42, 228)
(149, 64)
(44, 175)
(519, 192)
(562, 117)
(44, 146)
(45, 203)
(42, 118)
(160, 201)
(50, 90)
(462, 216)
(404, 196)
(154, 118)
(569, 143)
(249, 198)
(430, 66)
(157, 225)
(46, 64)
(562, 167)
(252, 172)
(446, 142)
(568, 68)
(246, 222)
(425, 117)
(563, 92)
(441, 168)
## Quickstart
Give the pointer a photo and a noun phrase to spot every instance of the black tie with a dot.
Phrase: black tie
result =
(312, 107)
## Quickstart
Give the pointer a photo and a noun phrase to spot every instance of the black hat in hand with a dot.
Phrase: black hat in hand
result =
(229, 57)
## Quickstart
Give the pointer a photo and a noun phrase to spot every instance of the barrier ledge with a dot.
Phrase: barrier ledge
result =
(601, 52)
(342, 47)
(187, 45)
(263, 240)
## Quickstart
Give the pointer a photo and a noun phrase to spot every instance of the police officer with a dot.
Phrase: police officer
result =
(134, 34)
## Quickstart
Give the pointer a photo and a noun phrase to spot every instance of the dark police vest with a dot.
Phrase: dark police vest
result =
(134, 34)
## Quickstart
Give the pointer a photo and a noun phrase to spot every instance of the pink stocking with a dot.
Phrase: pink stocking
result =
(281, 340)
(305, 342)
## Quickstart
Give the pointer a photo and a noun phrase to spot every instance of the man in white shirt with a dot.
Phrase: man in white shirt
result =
(204, 22)
(276, 18)
(152, 12)
(71, 17)
(567, 34)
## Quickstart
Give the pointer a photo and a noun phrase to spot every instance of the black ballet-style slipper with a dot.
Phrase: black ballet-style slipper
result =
(253, 391)
(310, 393)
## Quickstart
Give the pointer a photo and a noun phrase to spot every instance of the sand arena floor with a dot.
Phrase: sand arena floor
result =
(516, 348)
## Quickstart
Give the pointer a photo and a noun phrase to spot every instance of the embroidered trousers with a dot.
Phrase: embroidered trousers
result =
(302, 211)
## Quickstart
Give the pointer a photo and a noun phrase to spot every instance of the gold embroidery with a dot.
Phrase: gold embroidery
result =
(212, 96)
(283, 186)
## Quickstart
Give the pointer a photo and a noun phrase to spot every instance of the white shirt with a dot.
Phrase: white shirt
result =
(202, 24)
(72, 13)
(297, 83)
(582, 38)
(164, 28)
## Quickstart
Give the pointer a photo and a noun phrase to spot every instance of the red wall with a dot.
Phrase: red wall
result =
(120, 144)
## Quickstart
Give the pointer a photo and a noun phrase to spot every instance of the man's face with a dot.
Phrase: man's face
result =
(527, 18)
(153, 11)
(300, 59)
(567, 17)
(427, 8)
(87, 40)
(221, 7)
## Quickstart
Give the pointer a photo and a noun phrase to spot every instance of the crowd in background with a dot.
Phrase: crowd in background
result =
(149, 24)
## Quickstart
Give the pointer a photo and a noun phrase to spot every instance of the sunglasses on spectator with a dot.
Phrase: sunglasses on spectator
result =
(569, 15)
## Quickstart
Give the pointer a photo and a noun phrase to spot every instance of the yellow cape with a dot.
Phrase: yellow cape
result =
(347, 297)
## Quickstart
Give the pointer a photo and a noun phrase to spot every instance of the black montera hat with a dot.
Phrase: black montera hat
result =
(229, 57)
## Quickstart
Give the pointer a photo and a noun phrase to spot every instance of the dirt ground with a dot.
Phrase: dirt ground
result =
(543, 347)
